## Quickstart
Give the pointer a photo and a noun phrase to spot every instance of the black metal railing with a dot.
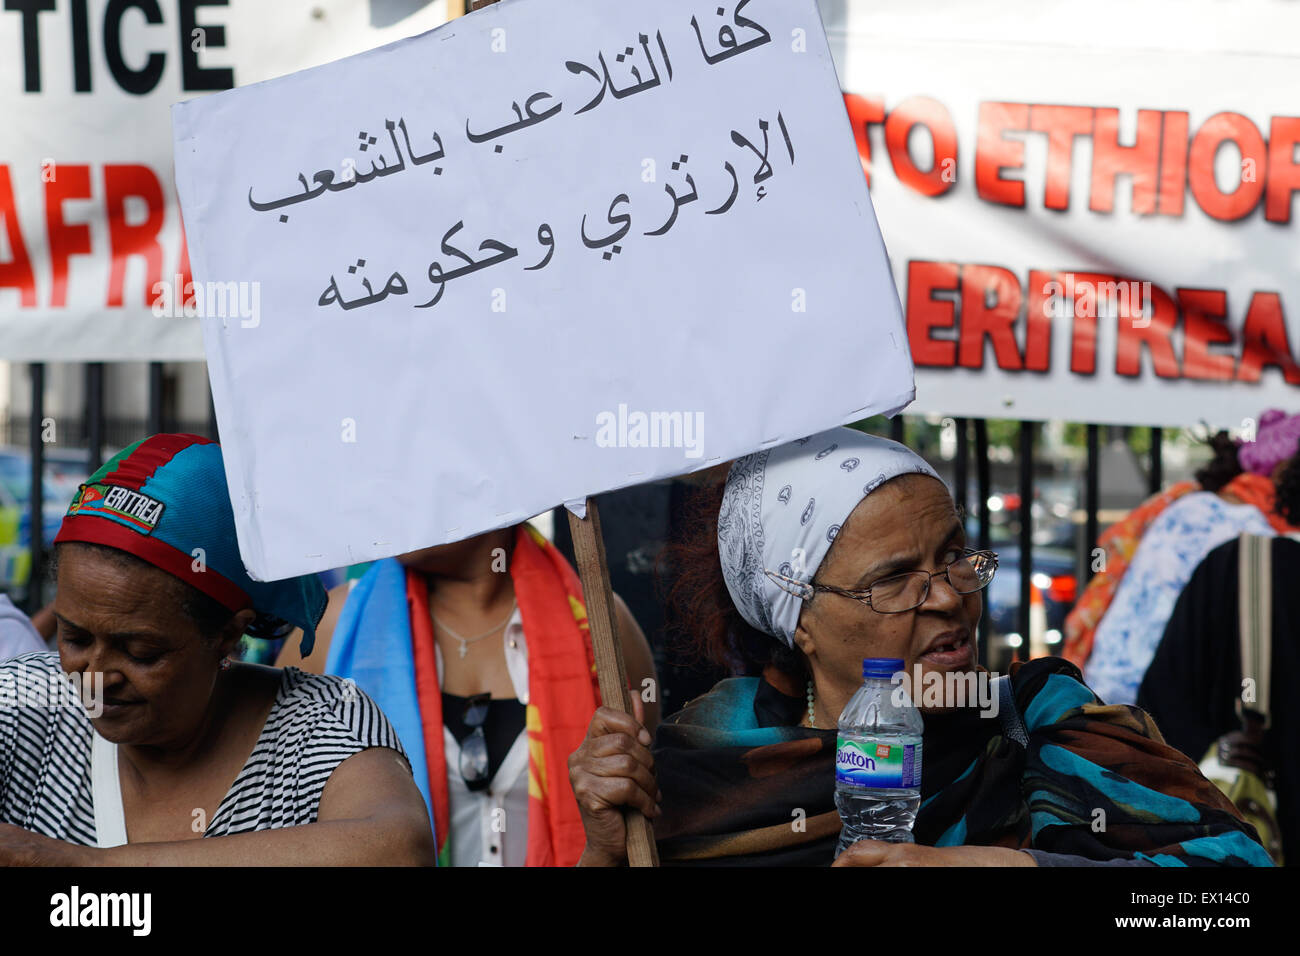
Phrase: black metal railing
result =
(99, 434)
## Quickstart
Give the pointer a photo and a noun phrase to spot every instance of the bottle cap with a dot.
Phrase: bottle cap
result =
(885, 667)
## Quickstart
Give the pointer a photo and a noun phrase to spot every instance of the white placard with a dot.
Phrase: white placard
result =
(499, 263)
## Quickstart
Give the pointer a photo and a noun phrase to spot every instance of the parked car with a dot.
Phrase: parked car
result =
(1055, 501)
(1053, 580)
(64, 471)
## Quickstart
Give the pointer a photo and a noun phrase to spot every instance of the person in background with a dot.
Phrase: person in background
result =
(45, 624)
(17, 633)
(480, 654)
(1195, 681)
(843, 546)
(167, 753)
(1118, 544)
(1237, 496)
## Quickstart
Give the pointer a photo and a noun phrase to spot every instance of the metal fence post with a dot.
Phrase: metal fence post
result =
(94, 415)
(1157, 474)
(1026, 534)
(35, 504)
(982, 482)
(155, 397)
(1091, 496)
(961, 466)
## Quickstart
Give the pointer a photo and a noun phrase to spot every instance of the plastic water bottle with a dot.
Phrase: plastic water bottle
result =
(878, 759)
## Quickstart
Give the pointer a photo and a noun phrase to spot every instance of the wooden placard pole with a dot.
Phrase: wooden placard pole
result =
(589, 551)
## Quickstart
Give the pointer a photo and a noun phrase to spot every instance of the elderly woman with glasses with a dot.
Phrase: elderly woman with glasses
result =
(840, 547)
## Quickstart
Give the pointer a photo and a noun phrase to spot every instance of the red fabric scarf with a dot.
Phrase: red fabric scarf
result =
(1259, 490)
(562, 690)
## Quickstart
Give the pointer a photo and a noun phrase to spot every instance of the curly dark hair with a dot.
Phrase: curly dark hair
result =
(1288, 491)
(701, 610)
(1223, 467)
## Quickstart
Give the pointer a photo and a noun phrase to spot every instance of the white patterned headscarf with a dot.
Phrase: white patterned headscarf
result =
(782, 509)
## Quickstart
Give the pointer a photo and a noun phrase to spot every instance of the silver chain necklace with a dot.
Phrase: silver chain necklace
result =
(465, 642)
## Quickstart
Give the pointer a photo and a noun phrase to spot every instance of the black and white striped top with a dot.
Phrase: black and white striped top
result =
(315, 724)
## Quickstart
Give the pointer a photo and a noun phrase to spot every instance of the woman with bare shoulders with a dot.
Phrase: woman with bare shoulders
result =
(141, 743)
(479, 651)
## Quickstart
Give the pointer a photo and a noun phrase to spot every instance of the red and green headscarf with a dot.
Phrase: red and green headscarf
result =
(164, 500)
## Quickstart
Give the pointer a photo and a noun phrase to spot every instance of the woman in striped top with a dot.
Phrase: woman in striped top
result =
(155, 749)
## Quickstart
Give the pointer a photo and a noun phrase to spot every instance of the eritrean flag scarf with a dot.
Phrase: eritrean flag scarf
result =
(384, 641)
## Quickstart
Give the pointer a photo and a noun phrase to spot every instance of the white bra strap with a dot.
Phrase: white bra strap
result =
(106, 792)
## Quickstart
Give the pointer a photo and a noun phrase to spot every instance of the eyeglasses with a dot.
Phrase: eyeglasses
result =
(473, 751)
(904, 592)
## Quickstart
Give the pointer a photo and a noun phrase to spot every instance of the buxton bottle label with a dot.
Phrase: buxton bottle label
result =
(880, 764)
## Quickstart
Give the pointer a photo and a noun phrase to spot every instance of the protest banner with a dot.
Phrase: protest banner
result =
(91, 248)
(1090, 217)
(1085, 222)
